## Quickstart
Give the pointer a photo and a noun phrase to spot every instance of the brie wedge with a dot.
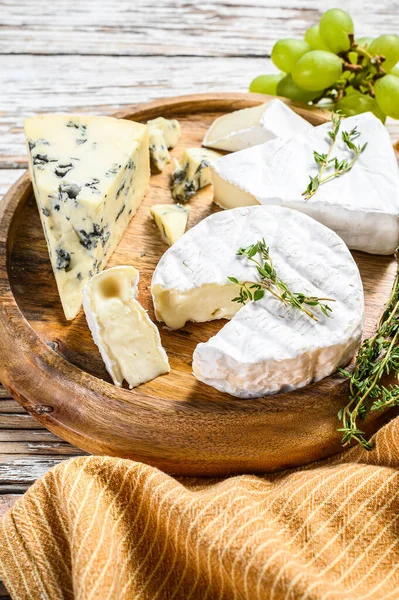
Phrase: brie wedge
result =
(128, 341)
(251, 126)
(171, 220)
(89, 175)
(192, 173)
(266, 347)
(163, 134)
(362, 205)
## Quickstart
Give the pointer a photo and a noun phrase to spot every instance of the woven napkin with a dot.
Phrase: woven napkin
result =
(106, 528)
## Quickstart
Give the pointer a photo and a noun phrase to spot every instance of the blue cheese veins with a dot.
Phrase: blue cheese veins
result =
(163, 135)
(89, 176)
(192, 173)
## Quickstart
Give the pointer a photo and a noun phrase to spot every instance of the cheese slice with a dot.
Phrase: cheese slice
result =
(362, 206)
(192, 173)
(171, 220)
(266, 347)
(89, 176)
(163, 134)
(128, 341)
(250, 126)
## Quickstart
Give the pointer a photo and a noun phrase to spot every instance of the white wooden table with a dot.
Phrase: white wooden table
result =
(97, 56)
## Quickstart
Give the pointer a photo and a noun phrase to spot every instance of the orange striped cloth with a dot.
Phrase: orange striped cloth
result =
(102, 528)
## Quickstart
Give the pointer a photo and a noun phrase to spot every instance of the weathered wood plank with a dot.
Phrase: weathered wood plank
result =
(6, 502)
(102, 85)
(40, 448)
(170, 27)
(3, 392)
(7, 178)
(16, 421)
(28, 435)
(105, 84)
(10, 406)
(23, 470)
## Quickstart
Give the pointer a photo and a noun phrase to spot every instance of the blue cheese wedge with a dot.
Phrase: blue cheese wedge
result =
(171, 220)
(192, 173)
(89, 177)
(266, 347)
(163, 135)
(362, 206)
(251, 126)
(128, 340)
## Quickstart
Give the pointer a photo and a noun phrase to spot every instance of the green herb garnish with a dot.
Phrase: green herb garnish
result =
(271, 282)
(340, 166)
(377, 356)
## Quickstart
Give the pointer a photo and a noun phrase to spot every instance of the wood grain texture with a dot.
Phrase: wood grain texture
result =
(53, 368)
(171, 27)
(123, 65)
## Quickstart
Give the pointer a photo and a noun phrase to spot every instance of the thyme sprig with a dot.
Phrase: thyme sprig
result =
(325, 161)
(378, 356)
(272, 283)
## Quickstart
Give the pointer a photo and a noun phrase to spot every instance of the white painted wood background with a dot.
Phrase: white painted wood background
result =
(97, 56)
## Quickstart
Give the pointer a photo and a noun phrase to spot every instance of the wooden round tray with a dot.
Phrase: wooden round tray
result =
(53, 368)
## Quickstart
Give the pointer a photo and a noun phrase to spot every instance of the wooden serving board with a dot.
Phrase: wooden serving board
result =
(53, 368)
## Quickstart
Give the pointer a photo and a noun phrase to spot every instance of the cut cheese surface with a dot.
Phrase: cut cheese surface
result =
(192, 173)
(251, 126)
(266, 347)
(89, 176)
(362, 205)
(163, 134)
(128, 341)
(171, 220)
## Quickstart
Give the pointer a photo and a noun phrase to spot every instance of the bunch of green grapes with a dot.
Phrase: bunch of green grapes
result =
(331, 67)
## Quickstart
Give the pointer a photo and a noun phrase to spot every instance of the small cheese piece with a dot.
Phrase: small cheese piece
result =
(163, 134)
(89, 176)
(266, 347)
(192, 173)
(362, 206)
(128, 340)
(251, 126)
(171, 220)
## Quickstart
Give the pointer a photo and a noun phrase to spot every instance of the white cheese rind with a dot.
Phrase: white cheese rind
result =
(171, 220)
(192, 173)
(251, 126)
(128, 341)
(266, 347)
(362, 206)
(89, 176)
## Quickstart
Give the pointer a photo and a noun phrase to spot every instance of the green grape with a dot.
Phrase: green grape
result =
(395, 70)
(312, 37)
(266, 84)
(287, 52)
(387, 95)
(335, 26)
(288, 88)
(357, 103)
(387, 46)
(317, 70)
(364, 42)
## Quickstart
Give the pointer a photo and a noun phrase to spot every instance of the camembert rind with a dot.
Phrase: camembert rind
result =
(251, 126)
(266, 347)
(129, 343)
(89, 176)
(362, 206)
